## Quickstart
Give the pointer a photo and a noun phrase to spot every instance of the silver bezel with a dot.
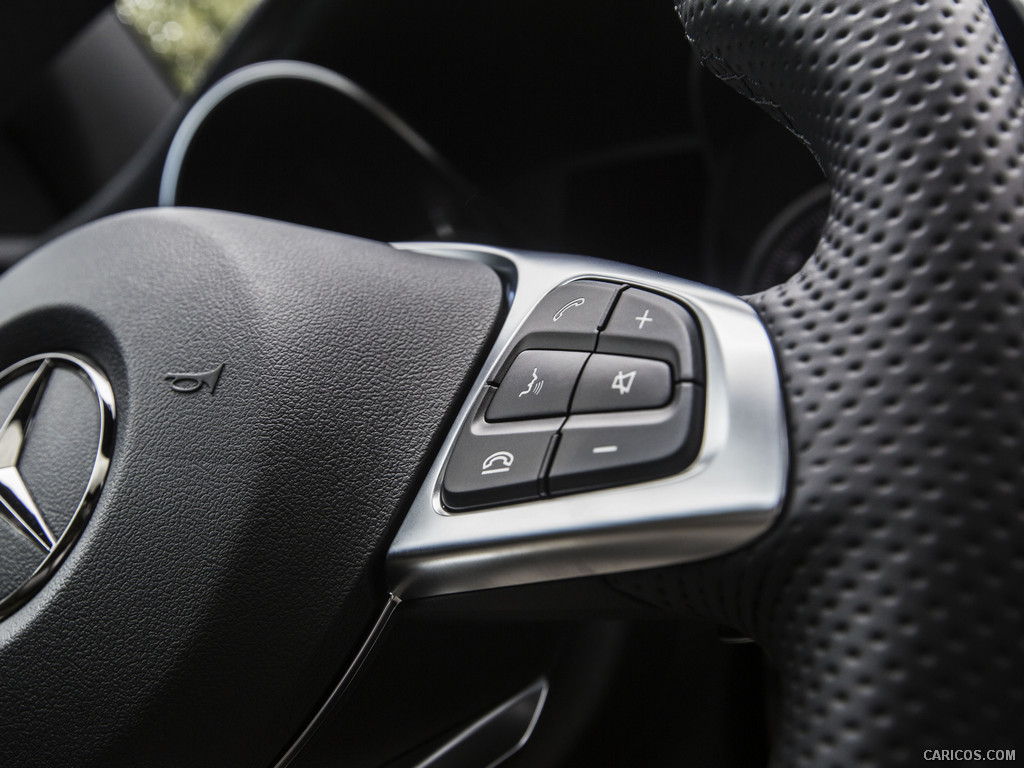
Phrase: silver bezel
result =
(730, 495)
(101, 465)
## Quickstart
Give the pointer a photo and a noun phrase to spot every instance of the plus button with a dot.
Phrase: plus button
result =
(644, 318)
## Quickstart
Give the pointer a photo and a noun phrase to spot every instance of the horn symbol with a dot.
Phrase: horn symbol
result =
(187, 383)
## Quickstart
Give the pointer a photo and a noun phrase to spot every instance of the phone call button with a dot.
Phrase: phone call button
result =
(570, 316)
(498, 467)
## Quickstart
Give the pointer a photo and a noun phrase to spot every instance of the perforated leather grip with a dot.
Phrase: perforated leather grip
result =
(889, 596)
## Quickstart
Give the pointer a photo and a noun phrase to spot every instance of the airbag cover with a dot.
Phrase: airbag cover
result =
(231, 565)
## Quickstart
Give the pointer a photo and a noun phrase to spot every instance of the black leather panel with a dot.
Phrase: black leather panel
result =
(889, 594)
(233, 561)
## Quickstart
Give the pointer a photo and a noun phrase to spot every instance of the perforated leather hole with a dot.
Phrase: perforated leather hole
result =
(889, 595)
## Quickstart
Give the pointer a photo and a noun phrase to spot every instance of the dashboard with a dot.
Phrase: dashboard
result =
(568, 130)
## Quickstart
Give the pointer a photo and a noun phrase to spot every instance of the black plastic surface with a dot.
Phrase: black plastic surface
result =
(539, 383)
(628, 422)
(567, 318)
(227, 574)
(497, 463)
(648, 325)
(888, 595)
(617, 383)
(600, 450)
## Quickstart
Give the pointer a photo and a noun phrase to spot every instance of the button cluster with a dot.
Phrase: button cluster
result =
(603, 386)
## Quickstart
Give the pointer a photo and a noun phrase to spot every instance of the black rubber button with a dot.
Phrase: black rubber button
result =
(648, 325)
(616, 383)
(497, 464)
(601, 450)
(567, 318)
(539, 383)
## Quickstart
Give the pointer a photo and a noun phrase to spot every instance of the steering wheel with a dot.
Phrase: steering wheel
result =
(269, 402)
(885, 595)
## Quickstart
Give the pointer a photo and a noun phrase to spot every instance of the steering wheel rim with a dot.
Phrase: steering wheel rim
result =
(885, 596)
(902, 332)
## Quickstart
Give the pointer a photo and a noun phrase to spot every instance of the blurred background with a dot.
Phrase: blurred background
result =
(563, 126)
(185, 35)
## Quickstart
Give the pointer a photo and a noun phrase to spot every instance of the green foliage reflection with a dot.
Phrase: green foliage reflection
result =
(186, 34)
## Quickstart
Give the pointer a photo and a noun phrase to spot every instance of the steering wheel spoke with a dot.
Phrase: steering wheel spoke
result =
(674, 452)
(886, 591)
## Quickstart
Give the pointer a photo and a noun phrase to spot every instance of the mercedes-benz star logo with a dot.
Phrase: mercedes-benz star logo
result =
(18, 507)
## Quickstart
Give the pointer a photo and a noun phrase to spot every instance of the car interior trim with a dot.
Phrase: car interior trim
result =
(496, 736)
(731, 493)
(342, 686)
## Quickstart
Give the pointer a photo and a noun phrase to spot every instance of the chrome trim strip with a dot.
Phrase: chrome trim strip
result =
(343, 684)
(729, 496)
(58, 551)
(17, 506)
(518, 715)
